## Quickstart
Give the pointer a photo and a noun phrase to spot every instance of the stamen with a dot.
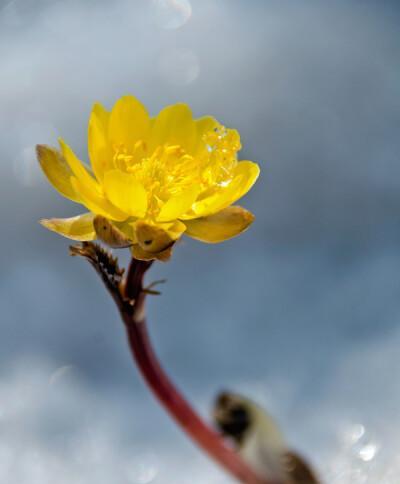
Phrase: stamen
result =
(169, 169)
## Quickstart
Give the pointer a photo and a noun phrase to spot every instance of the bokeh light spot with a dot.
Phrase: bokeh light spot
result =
(171, 14)
(179, 67)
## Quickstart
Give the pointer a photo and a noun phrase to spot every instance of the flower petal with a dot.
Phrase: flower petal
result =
(110, 234)
(174, 125)
(102, 114)
(78, 168)
(245, 175)
(125, 192)
(178, 205)
(75, 228)
(57, 171)
(157, 238)
(96, 202)
(156, 241)
(221, 226)
(127, 229)
(100, 152)
(204, 125)
(129, 122)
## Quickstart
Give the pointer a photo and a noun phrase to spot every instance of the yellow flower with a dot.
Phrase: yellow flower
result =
(152, 179)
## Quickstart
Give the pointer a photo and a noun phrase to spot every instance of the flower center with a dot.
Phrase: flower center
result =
(169, 169)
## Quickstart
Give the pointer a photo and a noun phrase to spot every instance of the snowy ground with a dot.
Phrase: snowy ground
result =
(54, 429)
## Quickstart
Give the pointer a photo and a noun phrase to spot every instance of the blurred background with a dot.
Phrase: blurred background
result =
(301, 313)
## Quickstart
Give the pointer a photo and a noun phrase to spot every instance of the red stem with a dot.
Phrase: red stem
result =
(166, 392)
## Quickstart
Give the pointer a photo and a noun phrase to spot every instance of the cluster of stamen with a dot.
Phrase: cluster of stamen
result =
(169, 169)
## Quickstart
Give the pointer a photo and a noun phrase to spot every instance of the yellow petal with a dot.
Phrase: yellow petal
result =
(75, 228)
(110, 234)
(157, 238)
(96, 202)
(245, 175)
(102, 114)
(127, 228)
(129, 122)
(174, 125)
(125, 192)
(57, 171)
(204, 125)
(178, 205)
(221, 226)
(100, 152)
(175, 229)
(78, 168)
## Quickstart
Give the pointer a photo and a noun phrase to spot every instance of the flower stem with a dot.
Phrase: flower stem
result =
(129, 296)
(166, 392)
